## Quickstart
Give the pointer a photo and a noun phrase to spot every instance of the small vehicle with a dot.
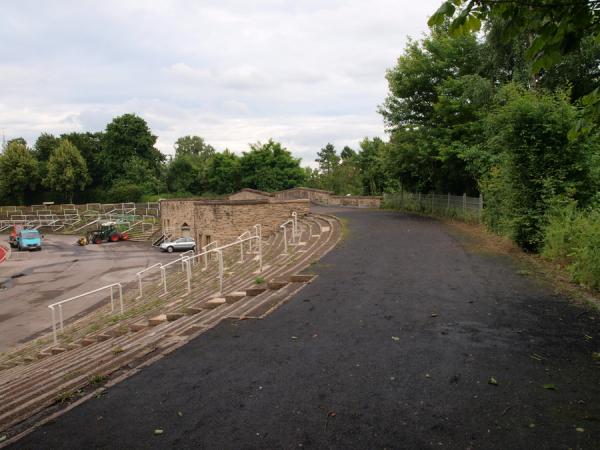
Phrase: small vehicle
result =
(25, 239)
(181, 244)
(108, 232)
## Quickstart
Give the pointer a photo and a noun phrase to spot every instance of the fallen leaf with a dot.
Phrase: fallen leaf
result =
(493, 381)
(158, 431)
(3, 438)
(596, 356)
(396, 338)
(579, 429)
(294, 337)
(179, 413)
(433, 314)
(331, 414)
(549, 386)
(427, 375)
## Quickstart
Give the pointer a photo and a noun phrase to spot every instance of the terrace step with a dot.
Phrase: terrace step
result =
(234, 296)
(157, 320)
(214, 302)
(254, 291)
(301, 278)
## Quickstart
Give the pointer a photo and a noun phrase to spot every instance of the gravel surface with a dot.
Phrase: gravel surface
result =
(405, 340)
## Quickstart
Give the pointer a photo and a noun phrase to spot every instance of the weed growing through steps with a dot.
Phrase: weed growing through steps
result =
(259, 280)
(97, 379)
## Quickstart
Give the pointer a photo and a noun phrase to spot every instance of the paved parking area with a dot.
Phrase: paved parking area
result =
(30, 281)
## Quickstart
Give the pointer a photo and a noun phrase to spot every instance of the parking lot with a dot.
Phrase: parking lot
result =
(30, 281)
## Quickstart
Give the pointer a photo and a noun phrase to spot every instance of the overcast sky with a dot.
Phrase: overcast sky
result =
(303, 72)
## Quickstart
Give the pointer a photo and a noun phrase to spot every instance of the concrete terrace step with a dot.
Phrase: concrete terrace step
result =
(29, 388)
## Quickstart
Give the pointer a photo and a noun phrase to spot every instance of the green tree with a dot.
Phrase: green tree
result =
(90, 147)
(328, 159)
(18, 172)
(67, 170)
(224, 173)
(194, 146)
(536, 163)
(44, 146)
(125, 137)
(184, 174)
(270, 167)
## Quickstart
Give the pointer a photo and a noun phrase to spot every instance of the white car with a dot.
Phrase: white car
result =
(181, 244)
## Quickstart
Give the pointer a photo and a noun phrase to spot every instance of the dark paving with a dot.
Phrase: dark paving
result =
(393, 346)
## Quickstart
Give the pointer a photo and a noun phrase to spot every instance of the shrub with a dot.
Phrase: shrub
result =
(122, 192)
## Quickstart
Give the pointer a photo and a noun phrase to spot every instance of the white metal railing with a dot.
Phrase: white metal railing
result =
(85, 294)
(141, 272)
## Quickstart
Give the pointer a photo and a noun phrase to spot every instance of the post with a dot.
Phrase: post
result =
(295, 226)
(220, 255)
(120, 296)
(189, 275)
(465, 204)
(285, 239)
(53, 324)
(432, 197)
(419, 200)
(241, 251)
(112, 300)
(60, 317)
(480, 205)
(164, 278)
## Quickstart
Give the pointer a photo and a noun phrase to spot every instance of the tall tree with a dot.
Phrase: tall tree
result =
(18, 172)
(328, 159)
(194, 146)
(224, 173)
(270, 167)
(67, 170)
(44, 146)
(90, 147)
(125, 137)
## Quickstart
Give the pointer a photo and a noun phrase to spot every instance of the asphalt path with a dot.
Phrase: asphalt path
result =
(407, 339)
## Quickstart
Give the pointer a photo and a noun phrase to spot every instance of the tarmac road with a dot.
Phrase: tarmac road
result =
(394, 345)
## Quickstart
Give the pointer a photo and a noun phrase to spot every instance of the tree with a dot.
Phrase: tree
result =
(67, 170)
(90, 147)
(554, 28)
(328, 159)
(183, 174)
(44, 146)
(18, 172)
(270, 167)
(125, 137)
(224, 173)
(195, 146)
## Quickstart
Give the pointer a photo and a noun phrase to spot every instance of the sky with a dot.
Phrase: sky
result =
(303, 72)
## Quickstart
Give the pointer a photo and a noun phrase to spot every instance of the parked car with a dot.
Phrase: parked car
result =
(181, 244)
(25, 239)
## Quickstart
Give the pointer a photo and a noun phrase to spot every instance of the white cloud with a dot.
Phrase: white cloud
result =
(232, 71)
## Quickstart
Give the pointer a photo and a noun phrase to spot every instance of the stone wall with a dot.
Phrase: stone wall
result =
(356, 201)
(225, 220)
(314, 195)
(175, 214)
(251, 194)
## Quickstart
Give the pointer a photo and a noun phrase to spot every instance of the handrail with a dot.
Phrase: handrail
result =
(62, 302)
(139, 276)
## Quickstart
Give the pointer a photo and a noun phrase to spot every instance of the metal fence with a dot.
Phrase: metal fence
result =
(456, 206)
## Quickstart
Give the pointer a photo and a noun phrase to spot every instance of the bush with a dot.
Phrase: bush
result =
(121, 192)
(572, 237)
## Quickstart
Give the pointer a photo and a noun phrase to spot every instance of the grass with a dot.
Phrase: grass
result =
(259, 280)
(97, 379)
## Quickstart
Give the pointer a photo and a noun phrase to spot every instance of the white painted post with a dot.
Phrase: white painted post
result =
(164, 278)
(221, 269)
(189, 276)
(295, 226)
(112, 300)
(120, 296)
(241, 251)
(285, 238)
(54, 324)
(465, 204)
(60, 316)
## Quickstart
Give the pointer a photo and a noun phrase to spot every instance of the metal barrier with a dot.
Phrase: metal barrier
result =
(139, 276)
(62, 302)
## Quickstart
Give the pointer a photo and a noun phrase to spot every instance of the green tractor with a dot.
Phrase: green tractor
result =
(108, 232)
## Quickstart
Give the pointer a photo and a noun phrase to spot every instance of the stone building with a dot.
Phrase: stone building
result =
(314, 195)
(225, 220)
